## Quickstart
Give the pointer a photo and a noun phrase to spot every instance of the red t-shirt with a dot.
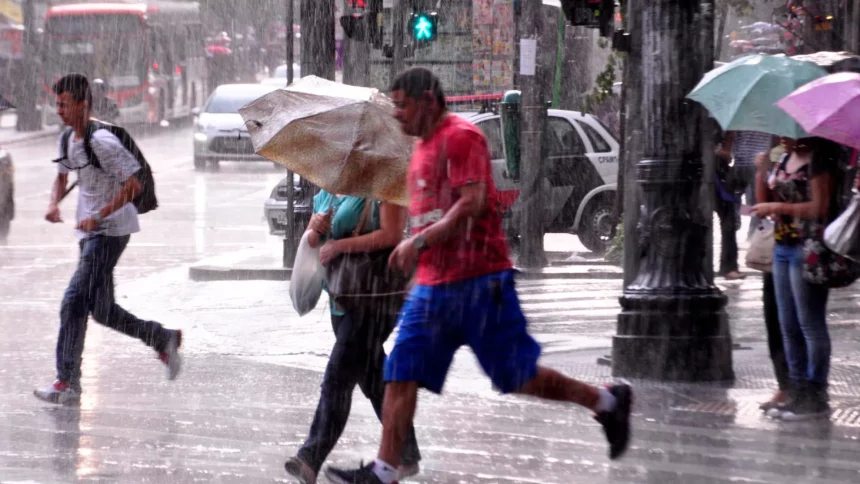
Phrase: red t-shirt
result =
(455, 155)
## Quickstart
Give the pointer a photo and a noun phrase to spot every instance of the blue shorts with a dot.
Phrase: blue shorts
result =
(484, 313)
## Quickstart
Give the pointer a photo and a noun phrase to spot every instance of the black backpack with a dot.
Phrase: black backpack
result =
(146, 200)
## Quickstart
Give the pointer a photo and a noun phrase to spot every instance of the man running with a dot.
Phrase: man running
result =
(105, 220)
(465, 291)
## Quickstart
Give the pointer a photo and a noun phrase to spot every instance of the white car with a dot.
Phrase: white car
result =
(279, 78)
(580, 176)
(220, 133)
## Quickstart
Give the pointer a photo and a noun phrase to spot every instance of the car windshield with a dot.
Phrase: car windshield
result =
(225, 101)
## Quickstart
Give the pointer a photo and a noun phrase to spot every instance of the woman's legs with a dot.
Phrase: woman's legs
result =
(811, 300)
(335, 403)
(774, 332)
(792, 336)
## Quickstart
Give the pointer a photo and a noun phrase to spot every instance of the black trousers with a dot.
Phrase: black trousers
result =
(774, 333)
(357, 358)
(728, 242)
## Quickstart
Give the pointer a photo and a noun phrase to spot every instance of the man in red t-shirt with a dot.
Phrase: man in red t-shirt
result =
(465, 292)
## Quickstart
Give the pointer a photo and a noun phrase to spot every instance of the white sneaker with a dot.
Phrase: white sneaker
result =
(59, 393)
(408, 470)
(300, 470)
(170, 356)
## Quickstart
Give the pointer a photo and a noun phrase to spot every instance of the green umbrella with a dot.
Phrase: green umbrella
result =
(742, 94)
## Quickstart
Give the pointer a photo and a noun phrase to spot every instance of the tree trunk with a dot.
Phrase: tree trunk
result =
(356, 56)
(318, 43)
(28, 117)
(723, 17)
(533, 109)
(578, 45)
(398, 38)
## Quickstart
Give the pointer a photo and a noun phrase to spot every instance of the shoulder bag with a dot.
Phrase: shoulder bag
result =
(357, 279)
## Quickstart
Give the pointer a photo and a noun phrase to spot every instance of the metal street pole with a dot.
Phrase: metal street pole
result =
(533, 111)
(673, 324)
(290, 242)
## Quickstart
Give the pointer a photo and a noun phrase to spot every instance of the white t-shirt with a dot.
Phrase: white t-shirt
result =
(98, 186)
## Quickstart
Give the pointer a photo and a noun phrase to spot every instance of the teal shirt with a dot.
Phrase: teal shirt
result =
(346, 212)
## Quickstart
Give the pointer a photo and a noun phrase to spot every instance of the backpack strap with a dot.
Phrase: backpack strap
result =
(92, 127)
(64, 146)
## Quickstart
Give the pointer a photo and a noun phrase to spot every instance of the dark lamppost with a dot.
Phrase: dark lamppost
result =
(673, 325)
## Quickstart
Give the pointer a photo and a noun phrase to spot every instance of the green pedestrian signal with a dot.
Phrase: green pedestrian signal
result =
(423, 26)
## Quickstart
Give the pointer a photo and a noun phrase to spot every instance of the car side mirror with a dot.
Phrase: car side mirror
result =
(195, 112)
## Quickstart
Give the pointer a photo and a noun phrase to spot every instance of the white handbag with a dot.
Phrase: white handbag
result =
(760, 252)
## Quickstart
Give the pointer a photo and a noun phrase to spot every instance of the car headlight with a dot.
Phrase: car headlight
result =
(200, 137)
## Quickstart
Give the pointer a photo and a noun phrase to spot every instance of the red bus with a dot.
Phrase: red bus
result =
(150, 54)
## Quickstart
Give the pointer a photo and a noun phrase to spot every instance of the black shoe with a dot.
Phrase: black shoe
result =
(616, 423)
(362, 475)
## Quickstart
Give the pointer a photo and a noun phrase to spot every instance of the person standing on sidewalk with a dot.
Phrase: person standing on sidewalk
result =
(803, 188)
(765, 165)
(105, 221)
(465, 292)
(357, 357)
(725, 205)
(745, 146)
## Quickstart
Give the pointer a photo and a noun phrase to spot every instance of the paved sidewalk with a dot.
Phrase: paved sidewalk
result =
(246, 397)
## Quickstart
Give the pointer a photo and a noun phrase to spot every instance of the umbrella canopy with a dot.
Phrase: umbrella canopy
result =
(342, 138)
(741, 95)
(828, 107)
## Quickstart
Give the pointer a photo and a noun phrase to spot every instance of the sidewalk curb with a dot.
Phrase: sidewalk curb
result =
(221, 273)
(30, 137)
(210, 273)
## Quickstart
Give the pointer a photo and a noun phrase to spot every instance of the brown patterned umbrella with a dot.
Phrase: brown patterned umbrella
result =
(342, 138)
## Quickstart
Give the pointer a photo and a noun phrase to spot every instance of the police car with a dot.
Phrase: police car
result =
(580, 176)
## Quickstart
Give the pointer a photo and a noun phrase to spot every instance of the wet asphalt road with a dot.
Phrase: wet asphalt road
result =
(253, 368)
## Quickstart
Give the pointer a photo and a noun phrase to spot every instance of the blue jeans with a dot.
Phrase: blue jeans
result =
(802, 316)
(91, 292)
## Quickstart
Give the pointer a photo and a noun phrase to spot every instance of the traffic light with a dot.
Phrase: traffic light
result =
(597, 14)
(423, 26)
(364, 25)
(354, 26)
(606, 18)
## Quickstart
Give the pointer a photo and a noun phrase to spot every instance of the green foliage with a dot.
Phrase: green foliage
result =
(603, 85)
(615, 253)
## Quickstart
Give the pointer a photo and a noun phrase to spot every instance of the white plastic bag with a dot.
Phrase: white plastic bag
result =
(307, 278)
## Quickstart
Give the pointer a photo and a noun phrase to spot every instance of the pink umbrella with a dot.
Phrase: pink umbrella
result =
(828, 107)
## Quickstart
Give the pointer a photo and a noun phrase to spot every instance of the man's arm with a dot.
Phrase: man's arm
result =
(59, 189)
(57, 192)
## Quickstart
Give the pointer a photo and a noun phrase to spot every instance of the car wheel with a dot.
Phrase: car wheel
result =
(597, 227)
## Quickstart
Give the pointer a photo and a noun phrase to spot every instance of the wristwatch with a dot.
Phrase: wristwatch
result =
(420, 243)
(97, 217)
